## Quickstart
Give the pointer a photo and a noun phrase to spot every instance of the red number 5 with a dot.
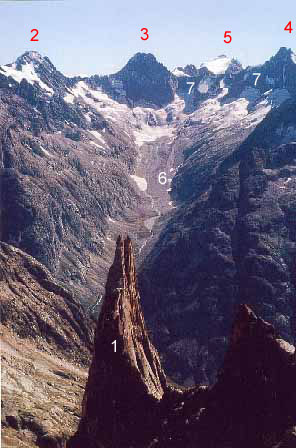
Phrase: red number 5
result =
(33, 38)
(145, 32)
(227, 35)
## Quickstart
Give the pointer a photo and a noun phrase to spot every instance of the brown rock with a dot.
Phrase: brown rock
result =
(36, 307)
(126, 381)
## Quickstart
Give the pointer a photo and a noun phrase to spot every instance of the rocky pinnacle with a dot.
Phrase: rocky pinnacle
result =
(126, 381)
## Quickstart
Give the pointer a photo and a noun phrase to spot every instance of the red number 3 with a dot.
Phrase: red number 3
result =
(33, 38)
(227, 34)
(145, 32)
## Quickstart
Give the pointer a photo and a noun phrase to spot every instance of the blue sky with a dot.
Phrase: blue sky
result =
(100, 36)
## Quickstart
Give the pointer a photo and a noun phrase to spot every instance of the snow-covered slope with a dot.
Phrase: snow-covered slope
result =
(27, 72)
(218, 65)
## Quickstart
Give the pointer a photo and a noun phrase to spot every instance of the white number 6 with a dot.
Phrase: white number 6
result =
(162, 178)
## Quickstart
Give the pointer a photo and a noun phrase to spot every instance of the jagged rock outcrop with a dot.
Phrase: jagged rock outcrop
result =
(253, 403)
(126, 381)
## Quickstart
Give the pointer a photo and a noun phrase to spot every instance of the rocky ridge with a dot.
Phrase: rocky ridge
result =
(46, 345)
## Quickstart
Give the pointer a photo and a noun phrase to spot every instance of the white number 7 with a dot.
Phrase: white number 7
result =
(257, 77)
(191, 86)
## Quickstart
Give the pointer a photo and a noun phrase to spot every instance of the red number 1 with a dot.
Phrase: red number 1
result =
(145, 32)
(33, 38)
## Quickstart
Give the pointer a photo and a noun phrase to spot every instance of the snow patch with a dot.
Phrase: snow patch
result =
(178, 71)
(150, 134)
(203, 87)
(96, 145)
(140, 181)
(218, 65)
(27, 72)
(98, 136)
(44, 151)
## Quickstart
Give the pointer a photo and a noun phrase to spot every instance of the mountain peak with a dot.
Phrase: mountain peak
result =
(143, 57)
(125, 378)
(30, 57)
(146, 81)
(284, 55)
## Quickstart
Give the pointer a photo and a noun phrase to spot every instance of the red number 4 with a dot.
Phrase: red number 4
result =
(33, 39)
(227, 34)
(289, 27)
(145, 32)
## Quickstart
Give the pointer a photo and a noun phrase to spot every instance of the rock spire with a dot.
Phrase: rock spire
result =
(126, 381)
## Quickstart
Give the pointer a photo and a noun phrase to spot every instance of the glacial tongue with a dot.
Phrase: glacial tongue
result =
(126, 381)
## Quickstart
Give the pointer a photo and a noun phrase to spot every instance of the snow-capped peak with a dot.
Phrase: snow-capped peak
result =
(24, 68)
(218, 65)
(30, 56)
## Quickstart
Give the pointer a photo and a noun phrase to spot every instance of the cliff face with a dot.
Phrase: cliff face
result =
(126, 381)
(128, 402)
(36, 307)
(46, 344)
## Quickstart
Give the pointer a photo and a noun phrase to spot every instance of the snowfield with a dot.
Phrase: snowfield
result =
(27, 72)
(217, 65)
(140, 181)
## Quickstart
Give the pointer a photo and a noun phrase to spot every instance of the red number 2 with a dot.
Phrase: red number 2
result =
(289, 27)
(33, 38)
(227, 35)
(145, 32)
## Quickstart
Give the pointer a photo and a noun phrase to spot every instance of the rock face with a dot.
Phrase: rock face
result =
(46, 345)
(126, 381)
(36, 307)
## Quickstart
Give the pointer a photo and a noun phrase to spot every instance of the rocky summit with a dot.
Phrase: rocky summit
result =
(128, 401)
